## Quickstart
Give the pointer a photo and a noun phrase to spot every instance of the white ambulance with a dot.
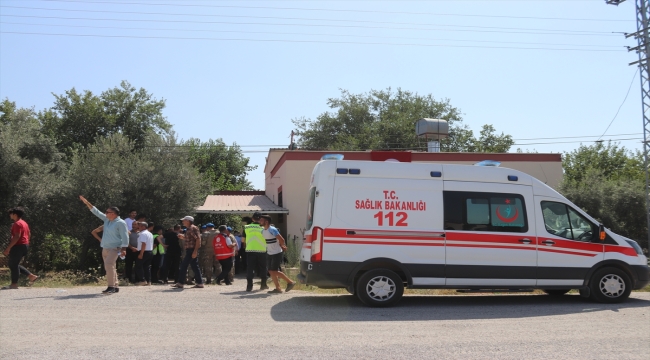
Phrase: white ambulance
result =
(376, 228)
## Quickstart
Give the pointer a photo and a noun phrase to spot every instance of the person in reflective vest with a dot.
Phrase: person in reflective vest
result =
(255, 252)
(223, 250)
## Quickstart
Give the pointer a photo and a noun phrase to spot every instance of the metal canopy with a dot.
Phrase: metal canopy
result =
(239, 205)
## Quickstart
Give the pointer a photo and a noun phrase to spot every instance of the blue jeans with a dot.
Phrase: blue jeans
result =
(188, 261)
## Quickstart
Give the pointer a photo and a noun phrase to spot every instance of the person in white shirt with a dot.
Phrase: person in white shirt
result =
(130, 220)
(143, 263)
(275, 246)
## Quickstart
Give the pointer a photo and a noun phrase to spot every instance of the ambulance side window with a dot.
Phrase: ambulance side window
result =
(474, 211)
(561, 220)
(310, 208)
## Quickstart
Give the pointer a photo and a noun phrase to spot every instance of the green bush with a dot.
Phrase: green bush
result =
(55, 252)
(617, 204)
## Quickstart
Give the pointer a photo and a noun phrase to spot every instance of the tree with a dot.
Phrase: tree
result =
(614, 162)
(385, 120)
(157, 180)
(607, 181)
(116, 149)
(617, 204)
(77, 119)
(31, 171)
(223, 166)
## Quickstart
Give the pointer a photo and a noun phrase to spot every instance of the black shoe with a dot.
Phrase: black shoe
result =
(249, 286)
(290, 286)
(116, 289)
(264, 286)
(275, 291)
(228, 283)
(108, 289)
(218, 282)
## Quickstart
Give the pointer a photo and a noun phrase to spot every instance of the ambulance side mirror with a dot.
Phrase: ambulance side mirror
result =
(601, 232)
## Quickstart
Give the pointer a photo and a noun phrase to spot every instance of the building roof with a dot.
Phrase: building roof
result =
(241, 203)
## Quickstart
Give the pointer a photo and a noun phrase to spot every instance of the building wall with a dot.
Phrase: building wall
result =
(294, 177)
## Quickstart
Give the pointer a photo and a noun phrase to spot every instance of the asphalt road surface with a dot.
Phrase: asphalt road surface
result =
(226, 322)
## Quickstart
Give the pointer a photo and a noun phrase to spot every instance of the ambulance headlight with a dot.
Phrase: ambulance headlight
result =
(636, 246)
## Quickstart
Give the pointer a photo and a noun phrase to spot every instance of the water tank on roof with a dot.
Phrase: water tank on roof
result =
(434, 129)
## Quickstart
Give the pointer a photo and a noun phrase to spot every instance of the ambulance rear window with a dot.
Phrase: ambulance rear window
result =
(310, 208)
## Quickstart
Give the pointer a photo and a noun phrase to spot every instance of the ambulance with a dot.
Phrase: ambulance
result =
(376, 228)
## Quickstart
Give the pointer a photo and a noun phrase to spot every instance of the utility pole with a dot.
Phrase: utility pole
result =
(643, 50)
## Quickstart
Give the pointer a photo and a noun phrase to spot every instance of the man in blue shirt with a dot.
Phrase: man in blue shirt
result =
(115, 239)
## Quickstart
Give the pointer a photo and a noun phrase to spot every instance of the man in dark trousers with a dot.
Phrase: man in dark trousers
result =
(191, 244)
(255, 253)
(172, 255)
(131, 253)
(17, 249)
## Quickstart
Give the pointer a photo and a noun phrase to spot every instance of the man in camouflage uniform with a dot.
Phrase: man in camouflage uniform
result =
(206, 253)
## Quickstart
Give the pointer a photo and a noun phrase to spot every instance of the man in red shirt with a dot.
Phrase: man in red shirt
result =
(17, 248)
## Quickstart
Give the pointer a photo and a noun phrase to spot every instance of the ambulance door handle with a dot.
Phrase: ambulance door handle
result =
(548, 242)
(525, 241)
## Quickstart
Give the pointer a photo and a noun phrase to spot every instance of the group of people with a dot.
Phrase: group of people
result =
(157, 255)
(153, 255)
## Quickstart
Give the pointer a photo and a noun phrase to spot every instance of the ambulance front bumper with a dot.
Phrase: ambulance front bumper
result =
(642, 278)
(326, 274)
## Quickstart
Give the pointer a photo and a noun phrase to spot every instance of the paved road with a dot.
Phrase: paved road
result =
(219, 322)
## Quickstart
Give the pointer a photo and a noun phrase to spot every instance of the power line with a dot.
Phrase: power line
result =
(305, 25)
(335, 10)
(619, 108)
(305, 41)
(303, 34)
(302, 19)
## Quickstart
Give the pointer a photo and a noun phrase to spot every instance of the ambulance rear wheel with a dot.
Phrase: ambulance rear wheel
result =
(610, 285)
(380, 288)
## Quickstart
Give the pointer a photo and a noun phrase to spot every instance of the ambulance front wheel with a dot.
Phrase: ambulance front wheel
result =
(610, 285)
(380, 288)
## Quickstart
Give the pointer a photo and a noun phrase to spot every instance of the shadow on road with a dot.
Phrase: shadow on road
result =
(66, 297)
(419, 308)
(249, 295)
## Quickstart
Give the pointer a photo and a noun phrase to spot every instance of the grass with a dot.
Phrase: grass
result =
(70, 278)
(54, 279)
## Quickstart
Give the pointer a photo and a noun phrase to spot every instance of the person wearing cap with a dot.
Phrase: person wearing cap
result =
(207, 252)
(255, 252)
(191, 243)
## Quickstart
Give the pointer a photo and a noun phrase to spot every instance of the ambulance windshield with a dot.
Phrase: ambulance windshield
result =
(310, 208)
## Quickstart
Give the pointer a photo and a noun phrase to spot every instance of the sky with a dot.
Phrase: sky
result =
(553, 74)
